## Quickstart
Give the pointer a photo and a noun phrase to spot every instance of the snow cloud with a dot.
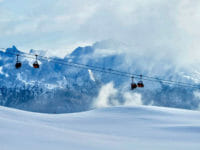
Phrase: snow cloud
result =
(132, 99)
(108, 96)
(91, 75)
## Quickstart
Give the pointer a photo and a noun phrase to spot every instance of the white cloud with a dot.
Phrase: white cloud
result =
(161, 28)
(188, 16)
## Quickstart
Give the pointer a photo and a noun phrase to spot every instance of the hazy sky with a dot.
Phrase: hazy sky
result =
(171, 26)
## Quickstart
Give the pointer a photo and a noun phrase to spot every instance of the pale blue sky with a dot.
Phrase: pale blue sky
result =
(61, 25)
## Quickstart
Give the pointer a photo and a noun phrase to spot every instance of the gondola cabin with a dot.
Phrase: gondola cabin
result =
(36, 64)
(140, 84)
(18, 65)
(133, 86)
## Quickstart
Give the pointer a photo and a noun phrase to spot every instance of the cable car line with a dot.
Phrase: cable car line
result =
(101, 69)
(73, 65)
(121, 72)
(107, 71)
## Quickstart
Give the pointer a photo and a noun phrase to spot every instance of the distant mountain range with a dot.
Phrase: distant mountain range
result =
(57, 88)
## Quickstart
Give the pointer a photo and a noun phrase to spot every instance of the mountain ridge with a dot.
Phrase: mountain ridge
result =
(56, 88)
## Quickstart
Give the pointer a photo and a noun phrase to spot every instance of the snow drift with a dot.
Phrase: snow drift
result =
(127, 128)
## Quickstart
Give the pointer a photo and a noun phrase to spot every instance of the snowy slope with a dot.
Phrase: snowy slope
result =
(117, 128)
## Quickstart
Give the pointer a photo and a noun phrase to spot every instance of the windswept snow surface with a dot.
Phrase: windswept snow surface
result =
(112, 128)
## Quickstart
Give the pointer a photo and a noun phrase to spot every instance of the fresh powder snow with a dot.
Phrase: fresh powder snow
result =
(111, 128)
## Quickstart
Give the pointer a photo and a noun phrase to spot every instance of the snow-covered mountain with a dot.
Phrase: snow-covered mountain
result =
(57, 88)
(127, 128)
